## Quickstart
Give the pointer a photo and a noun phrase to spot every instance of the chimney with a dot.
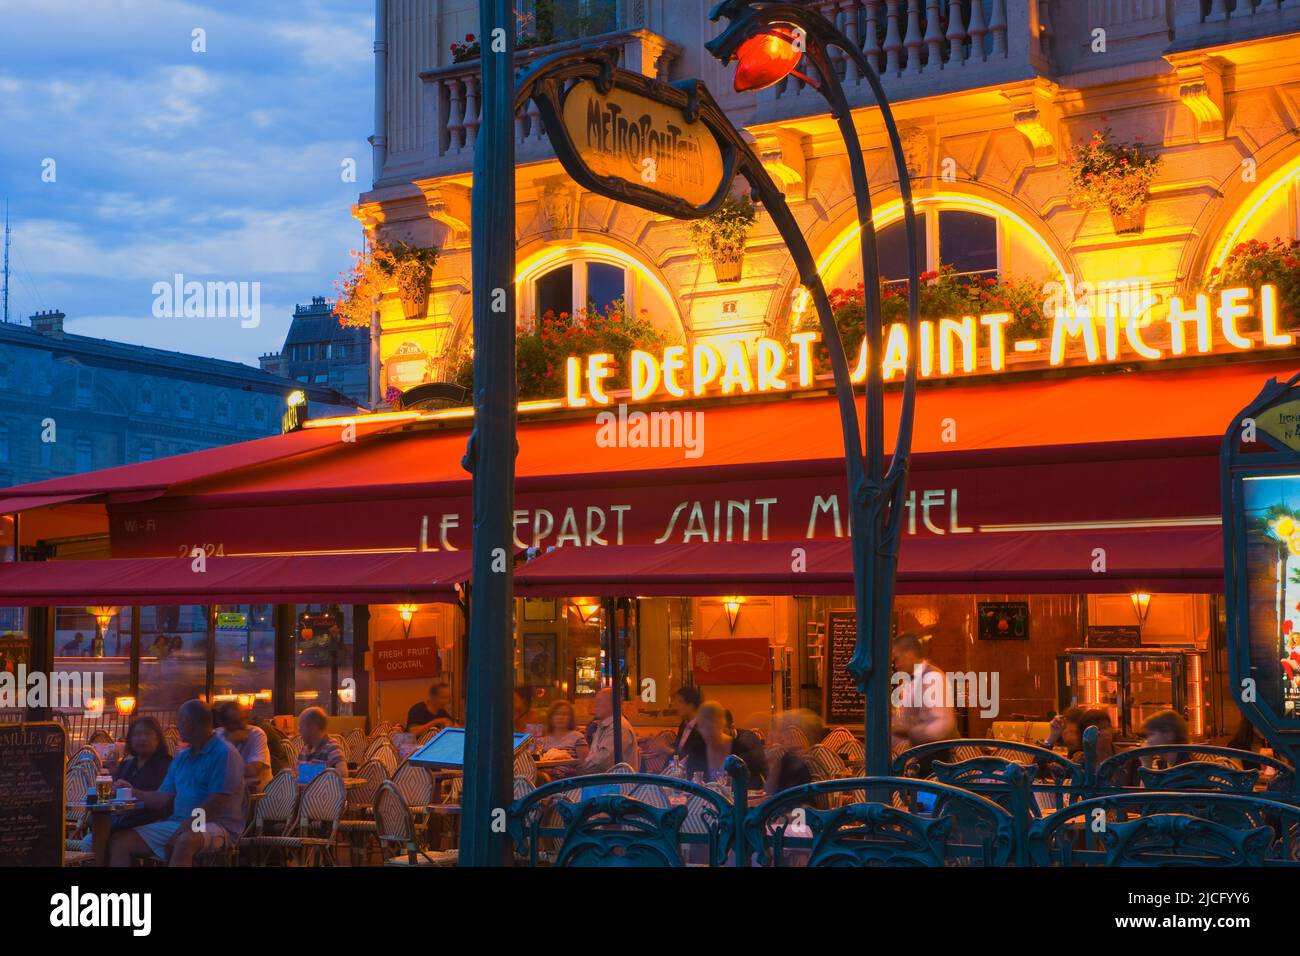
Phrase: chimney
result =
(49, 323)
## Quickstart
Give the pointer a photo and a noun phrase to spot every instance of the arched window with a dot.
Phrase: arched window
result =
(146, 397)
(590, 285)
(82, 455)
(185, 403)
(223, 408)
(965, 240)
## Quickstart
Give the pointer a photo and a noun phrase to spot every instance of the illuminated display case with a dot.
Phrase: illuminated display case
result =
(1132, 684)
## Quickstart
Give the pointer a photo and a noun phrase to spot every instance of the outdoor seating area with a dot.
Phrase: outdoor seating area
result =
(961, 802)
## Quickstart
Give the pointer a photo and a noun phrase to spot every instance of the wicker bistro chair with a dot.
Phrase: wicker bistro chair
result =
(354, 746)
(272, 816)
(1153, 828)
(382, 749)
(524, 766)
(312, 833)
(395, 831)
(416, 787)
(358, 821)
(824, 763)
(887, 821)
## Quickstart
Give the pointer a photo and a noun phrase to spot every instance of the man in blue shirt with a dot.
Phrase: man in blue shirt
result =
(203, 792)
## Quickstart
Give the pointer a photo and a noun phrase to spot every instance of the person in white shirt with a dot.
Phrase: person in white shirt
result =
(249, 740)
(600, 758)
(918, 720)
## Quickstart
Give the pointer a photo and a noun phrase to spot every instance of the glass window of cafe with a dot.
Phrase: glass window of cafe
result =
(1030, 656)
(225, 652)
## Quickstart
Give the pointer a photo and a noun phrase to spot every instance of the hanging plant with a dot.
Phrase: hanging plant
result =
(1113, 176)
(1254, 263)
(721, 236)
(377, 269)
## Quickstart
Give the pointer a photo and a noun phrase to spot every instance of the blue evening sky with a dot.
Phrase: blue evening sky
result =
(223, 166)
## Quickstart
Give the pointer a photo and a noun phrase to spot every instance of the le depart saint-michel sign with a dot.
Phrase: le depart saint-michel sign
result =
(643, 142)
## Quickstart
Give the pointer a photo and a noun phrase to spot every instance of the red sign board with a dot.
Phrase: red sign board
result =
(400, 660)
(731, 660)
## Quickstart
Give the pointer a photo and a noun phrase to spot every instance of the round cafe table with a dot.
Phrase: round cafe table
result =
(101, 821)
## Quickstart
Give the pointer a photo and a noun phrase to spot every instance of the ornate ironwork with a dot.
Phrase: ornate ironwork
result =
(876, 496)
(619, 831)
(883, 821)
(1151, 828)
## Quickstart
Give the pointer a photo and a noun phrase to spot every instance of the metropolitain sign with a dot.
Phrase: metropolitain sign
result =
(1141, 329)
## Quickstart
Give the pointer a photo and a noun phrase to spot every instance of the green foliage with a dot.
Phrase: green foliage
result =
(1114, 176)
(1254, 263)
(544, 345)
(723, 232)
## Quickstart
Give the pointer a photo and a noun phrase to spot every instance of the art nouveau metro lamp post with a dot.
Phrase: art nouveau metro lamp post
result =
(769, 42)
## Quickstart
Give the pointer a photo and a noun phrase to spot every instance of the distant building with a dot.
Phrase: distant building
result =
(320, 351)
(71, 403)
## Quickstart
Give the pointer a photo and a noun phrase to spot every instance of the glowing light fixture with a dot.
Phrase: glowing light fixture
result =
(586, 610)
(296, 398)
(732, 605)
(767, 58)
(94, 706)
(1141, 605)
(125, 706)
(103, 615)
(246, 700)
(348, 694)
(407, 613)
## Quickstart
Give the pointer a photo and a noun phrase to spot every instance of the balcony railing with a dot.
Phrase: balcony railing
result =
(452, 94)
(923, 47)
(1212, 22)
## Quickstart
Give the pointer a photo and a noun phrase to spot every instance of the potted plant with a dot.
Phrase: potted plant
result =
(1253, 263)
(375, 270)
(1113, 176)
(720, 236)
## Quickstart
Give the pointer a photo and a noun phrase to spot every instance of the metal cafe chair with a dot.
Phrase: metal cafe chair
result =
(395, 831)
(1151, 828)
(887, 821)
(1194, 767)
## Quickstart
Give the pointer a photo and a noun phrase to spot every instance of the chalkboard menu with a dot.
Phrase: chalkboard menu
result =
(31, 794)
(843, 703)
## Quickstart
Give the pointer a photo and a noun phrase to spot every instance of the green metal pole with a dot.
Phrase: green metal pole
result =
(490, 457)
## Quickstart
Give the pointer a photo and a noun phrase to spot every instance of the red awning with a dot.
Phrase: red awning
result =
(27, 502)
(1171, 559)
(385, 578)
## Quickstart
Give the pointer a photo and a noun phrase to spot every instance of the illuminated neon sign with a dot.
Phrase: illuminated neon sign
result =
(1139, 328)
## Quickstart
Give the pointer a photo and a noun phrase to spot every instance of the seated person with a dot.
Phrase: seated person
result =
(234, 728)
(562, 731)
(1064, 731)
(1105, 734)
(202, 797)
(432, 713)
(317, 745)
(792, 769)
(600, 757)
(523, 710)
(143, 768)
(1166, 727)
(719, 744)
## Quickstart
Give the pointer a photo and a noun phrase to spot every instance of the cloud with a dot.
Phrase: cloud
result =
(223, 165)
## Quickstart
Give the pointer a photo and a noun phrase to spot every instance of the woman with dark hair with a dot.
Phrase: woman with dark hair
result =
(1105, 733)
(144, 768)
